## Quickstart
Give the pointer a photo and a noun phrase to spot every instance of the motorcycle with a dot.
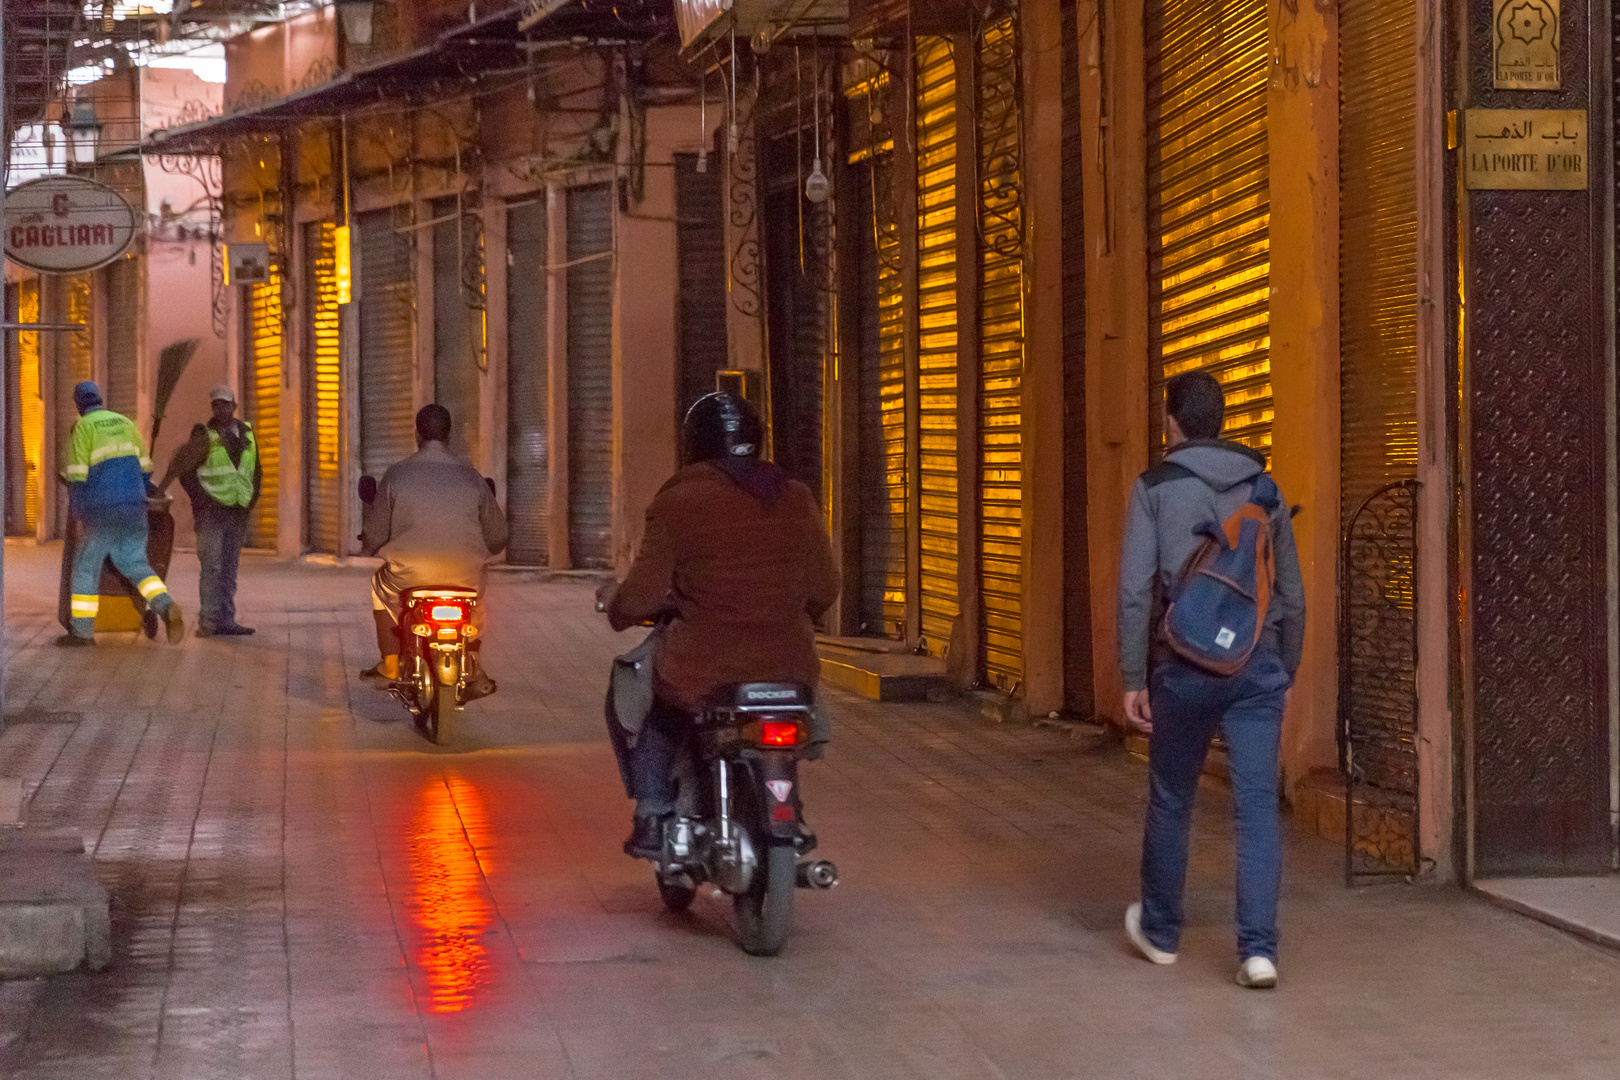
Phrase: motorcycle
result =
(739, 821)
(435, 630)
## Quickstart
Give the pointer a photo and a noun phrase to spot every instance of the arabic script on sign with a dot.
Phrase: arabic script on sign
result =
(1525, 149)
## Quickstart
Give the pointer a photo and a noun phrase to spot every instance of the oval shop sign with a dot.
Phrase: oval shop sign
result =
(66, 224)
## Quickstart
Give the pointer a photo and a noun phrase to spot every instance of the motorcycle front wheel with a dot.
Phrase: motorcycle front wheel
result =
(765, 911)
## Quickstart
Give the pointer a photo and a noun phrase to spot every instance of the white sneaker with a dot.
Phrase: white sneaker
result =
(1133, 930)
(1257, 973)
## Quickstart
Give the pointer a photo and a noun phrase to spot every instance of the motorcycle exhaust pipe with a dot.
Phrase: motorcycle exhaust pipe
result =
(820, 874)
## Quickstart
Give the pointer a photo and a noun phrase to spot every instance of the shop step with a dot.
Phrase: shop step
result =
(882, 675)
(53, 913)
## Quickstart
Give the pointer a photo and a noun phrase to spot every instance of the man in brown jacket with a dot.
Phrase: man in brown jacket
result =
(737, 553)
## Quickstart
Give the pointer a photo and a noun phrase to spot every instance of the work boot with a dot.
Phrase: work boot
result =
(478, 684)
(150, 623)
(205, 630)
(234, 630)
(646, 838)
(74, 640)
(175, 622)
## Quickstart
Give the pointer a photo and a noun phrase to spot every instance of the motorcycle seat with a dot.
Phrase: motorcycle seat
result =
(760, 695)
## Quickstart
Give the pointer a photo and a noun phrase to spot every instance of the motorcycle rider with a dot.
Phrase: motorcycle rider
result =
(435, 522)
(738, 552)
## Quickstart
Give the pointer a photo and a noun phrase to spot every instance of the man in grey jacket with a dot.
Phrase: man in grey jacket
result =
(435, 522)
(1205, 479)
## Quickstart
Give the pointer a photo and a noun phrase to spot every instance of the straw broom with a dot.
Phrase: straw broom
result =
(172, 363)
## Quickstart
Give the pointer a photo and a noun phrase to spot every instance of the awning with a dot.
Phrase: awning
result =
(462, 54)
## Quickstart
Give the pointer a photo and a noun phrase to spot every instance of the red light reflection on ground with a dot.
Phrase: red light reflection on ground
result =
(449, 905)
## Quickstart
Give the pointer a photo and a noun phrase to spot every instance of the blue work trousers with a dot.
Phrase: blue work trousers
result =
(221, 532)
(1189, 707)
(118, 533)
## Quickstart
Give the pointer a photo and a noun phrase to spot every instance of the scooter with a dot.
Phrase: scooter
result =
(436, 632)
(739, 821)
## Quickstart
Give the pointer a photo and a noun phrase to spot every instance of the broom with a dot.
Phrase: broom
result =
(172, 363)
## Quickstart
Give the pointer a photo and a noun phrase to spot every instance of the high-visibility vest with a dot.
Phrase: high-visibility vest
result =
(227, 484)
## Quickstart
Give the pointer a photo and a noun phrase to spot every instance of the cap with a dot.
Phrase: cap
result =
(222, 393)
(87, 395)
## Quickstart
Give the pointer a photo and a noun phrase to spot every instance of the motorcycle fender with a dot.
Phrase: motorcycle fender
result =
(777, 772)
(447, 665)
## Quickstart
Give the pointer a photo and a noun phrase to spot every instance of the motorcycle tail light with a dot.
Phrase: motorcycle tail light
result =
(778, 733)
(447, 613)
(447, 631)
(422, 630)
(782, 812)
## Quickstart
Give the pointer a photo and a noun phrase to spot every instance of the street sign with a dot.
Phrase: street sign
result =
(67, 225)
(1524, 149)
(247, 264)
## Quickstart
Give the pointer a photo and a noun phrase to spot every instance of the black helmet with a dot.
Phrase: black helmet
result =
(721, 425)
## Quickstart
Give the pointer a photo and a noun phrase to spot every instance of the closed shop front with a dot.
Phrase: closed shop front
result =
(878, 306)
(937, 143)
(322, 427)
(387, 342)
(590, 375)
(700, 287)
(1001, 353)
(1209, 207)
(528, 384)
(458, 345)
(123, 293)
(25, 412)
(262, 381)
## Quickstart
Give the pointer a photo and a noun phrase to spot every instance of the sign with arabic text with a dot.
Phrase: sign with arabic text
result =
(1526, 36)
(1525, 149)
(66, 225)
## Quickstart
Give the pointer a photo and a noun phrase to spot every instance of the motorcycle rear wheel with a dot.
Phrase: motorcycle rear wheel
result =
(765, 911)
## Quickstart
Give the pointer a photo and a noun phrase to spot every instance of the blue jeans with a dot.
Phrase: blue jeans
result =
(1189, 706)
(652, 760)
(221, 532)
(117, 533)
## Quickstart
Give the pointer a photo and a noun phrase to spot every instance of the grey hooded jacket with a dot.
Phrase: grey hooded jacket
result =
(1167, 507)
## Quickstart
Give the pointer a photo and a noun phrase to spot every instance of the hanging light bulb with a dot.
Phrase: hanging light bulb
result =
(816, 185)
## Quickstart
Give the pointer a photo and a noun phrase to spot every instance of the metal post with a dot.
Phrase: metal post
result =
(5, 171)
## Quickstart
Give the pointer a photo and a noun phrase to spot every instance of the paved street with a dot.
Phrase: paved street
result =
(304, 888)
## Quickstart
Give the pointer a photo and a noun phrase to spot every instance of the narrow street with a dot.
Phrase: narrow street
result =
(302, 887)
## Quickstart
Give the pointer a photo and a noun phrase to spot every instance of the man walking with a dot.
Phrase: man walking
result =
(1203, 481)
(107, 475)
(219, 468)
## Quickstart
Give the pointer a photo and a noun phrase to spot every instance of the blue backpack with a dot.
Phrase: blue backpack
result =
(1217, 610)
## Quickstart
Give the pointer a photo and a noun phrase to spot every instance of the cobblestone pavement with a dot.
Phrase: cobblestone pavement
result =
(304, 888)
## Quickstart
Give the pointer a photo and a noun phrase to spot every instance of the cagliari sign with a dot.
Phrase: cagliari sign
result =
(66, 225)
(1525, 149)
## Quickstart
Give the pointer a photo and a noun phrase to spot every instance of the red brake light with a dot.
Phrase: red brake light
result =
(446, 613)
(778, 733)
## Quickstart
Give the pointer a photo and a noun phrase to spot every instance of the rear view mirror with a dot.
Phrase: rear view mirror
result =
(368, 489)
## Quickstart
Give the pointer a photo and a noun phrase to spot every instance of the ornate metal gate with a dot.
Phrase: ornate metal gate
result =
(1378, 685)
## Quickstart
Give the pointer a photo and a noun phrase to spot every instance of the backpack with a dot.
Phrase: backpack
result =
(1217, 610)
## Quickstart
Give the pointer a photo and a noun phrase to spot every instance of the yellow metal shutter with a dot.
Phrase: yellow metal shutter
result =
(264, 400)
(322, 400)
(1209, 207)
(880, 310)
(31, 405)
(937, 336)
(1001, 354)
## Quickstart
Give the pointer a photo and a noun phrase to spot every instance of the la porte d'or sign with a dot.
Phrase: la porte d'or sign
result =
(67, 225)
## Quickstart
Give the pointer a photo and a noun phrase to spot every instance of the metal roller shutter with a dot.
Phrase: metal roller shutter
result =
(123, 291)
(700, 294)
(1077, 664)
(937, 336)
(263, 386)
(884, 487)
(457, 322)
(797, 251)
(528, 384)
(590, 375)
(322, 396)
(387, 343)
(24, 438)
(1001, 354)
(1209, 207)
